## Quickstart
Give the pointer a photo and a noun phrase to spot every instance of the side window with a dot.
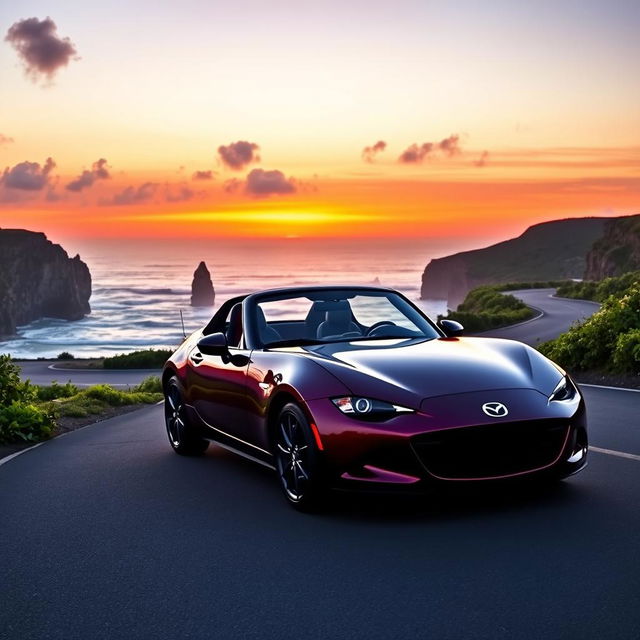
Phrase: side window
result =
(233, 325)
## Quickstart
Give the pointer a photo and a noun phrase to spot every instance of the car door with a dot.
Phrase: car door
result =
(218, 383)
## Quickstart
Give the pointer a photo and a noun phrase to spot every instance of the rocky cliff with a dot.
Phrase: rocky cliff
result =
(202, 291)
(38, 279)
(549, 251)
(617, 252)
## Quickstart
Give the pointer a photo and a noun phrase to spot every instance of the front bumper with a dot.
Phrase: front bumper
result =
(450, 440)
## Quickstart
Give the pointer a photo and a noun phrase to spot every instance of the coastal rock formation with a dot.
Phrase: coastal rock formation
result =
(202, 291)
(617, 252)
(549, 251)
(39, 280)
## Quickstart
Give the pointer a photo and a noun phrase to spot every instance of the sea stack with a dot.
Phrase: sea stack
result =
(202, 291)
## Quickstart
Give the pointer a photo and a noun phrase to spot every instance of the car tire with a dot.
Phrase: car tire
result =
(182, 436)
(298, 461)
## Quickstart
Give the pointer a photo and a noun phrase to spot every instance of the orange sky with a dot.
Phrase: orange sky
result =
(518, 114)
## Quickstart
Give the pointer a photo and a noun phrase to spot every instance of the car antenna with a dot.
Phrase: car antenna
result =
(184, 333)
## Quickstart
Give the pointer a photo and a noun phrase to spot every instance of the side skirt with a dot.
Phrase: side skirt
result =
(231, 443)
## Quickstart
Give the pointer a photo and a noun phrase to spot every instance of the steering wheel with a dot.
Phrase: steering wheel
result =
(382, 323)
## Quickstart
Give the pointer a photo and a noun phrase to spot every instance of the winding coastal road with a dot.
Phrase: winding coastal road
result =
(44, 372)
(558, 314)
(106, 533)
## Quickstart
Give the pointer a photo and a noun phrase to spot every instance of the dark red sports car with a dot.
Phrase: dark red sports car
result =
(355, 387)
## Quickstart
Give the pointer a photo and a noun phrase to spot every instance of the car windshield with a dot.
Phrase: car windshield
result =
(338, 315)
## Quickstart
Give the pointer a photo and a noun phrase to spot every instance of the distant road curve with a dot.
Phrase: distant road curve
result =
(43, 373)
(558, 316)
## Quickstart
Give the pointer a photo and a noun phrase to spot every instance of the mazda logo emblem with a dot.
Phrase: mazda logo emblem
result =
(495, 409)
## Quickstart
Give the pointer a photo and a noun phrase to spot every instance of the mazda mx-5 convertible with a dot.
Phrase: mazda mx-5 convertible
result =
(354, 387)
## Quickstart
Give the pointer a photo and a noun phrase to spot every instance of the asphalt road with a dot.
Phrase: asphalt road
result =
(106, 533)
(558, 316)
(43, 373)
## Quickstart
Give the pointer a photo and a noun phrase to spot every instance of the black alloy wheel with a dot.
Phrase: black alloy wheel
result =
(297, 459)
(182, 436)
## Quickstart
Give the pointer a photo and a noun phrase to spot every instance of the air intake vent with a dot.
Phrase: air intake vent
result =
(491, 451)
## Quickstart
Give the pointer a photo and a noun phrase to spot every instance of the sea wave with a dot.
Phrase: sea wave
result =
(142, 292)
(136, 303)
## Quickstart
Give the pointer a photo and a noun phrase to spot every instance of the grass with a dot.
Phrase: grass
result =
(97, 399)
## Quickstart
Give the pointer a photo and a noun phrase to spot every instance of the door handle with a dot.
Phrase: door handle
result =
(196, 357)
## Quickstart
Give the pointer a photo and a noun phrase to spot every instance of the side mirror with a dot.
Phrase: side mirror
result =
(451, 328)
(215, 344)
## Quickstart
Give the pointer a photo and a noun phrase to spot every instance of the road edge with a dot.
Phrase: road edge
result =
(11, 456)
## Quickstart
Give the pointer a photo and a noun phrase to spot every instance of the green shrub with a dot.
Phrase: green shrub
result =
(65, 355)
(486, 308)
(607, 340)
(601, 290)
(26, 422)
(148, 359)
(580, 290)
(539, 284)
(152, 384)
(105, 393)
(97, 399)
(626, 355)
(55, 391)
(12, 389)
(80, 406)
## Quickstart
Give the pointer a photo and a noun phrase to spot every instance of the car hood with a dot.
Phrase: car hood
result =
(411, 370)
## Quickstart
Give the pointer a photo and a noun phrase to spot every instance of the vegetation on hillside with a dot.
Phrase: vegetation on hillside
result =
(598, 290)
(486, 308)
(30, 413)
(147, 359)
(548, 251)
(608, 341)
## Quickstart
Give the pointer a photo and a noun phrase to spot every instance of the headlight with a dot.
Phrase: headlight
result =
(564, 391)
(367, 408)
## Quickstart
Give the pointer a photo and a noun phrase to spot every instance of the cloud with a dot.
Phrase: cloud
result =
(262, 184)
(132, 195)
(232, 185)
(202, 175)
(183, 194)
(238, 155)
(86, 179)
(27, 176)
(450, 145)
(5, 139)
(369, 153)
(416, 154)
(52, 195)
(482, 160)
(39, 48)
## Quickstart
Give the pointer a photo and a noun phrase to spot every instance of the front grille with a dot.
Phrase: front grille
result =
(491, 451)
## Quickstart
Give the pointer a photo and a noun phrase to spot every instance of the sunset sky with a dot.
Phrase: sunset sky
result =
(354, 118)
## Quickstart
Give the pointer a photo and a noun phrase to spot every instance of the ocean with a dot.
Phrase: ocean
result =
(140, 287)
